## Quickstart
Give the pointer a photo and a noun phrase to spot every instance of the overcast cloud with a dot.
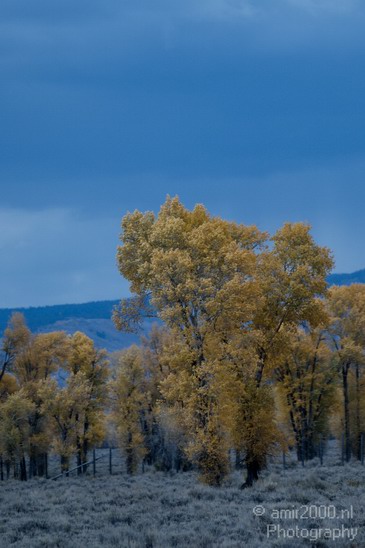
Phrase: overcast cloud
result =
(254, 108)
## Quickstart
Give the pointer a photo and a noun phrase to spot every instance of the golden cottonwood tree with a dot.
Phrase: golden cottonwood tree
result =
(164, 438)
(130, 400)
(31, 359)
(198, 272)
(292, 279)
(155, 372)
(66, 408)
(85, 359)
(307, 382)
(70, 419)
(228, 302)
(33, 367)
(15, 414)
(347, 306)
(16, 338)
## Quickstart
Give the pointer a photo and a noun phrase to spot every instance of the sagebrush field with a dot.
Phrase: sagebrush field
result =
(159, 510)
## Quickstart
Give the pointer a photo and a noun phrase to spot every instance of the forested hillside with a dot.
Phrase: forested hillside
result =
(357, 277)
(40, 316)
(93, 319)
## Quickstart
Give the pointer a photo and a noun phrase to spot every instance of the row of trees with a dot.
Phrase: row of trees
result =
(60, 395)
(39, 411)
(253, 354)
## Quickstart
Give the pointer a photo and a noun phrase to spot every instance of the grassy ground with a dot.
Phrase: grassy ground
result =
(168, 510)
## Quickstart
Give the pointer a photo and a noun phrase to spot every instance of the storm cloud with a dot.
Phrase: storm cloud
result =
(254, 108)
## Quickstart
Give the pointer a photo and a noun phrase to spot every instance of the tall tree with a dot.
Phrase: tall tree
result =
(228, 301)
(33, 367)
(16, 338)
(85, 359)
(292, 277)
(197, 271)
(130, 400)
(307, 381)
(66, 408)
(164, 438)
(347, 306)
(15, 413)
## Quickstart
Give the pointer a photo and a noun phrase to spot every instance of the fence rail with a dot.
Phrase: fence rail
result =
(329, 452)
(67, 472)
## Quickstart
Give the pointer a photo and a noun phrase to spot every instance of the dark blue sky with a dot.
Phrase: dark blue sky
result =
(254, 108)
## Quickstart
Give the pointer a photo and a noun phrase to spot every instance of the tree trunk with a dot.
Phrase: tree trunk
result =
(41, 464)
(130, 455)
(65, 464)
(79, 458)
(32, 461)
(253, 465)
(45, 456)
(85, 448)
(358, 421)
(238, 460)
(130, 460)
(311, 449)
(345, 370)
(23, 469)
(253, 468)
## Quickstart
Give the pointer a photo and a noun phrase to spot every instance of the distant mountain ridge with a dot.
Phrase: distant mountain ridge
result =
(94, 318)
(40, 316)
(357, 277)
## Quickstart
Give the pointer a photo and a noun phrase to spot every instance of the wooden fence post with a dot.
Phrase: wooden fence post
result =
(343, 449)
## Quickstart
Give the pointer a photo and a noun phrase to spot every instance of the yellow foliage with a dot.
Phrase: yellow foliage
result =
(15, 416)
(129, 405)
(307, 381)
(230, 302)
